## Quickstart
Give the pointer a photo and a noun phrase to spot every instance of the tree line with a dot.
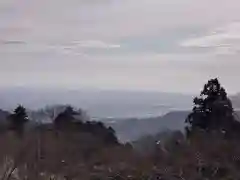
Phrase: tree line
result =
(212, 112)
(65, 121)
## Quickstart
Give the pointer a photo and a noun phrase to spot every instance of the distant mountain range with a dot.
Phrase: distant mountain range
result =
(131, 114)
(134, 128)
(128, 129)
(102, 103)
(98, 103)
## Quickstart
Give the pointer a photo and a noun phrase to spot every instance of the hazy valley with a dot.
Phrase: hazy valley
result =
(148, 112)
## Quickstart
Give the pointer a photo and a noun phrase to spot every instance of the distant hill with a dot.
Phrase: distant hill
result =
(133, 128)
(236, 101)
(3, 116)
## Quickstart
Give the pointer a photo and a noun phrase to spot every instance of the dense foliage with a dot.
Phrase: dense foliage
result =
(18, 119)
(213, 111)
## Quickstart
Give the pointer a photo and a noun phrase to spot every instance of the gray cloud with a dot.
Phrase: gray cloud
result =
(129, 44)
(223, 40)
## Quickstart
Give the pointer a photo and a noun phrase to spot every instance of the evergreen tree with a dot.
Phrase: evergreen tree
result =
(66, 118)
(18, 119)
(212, 110)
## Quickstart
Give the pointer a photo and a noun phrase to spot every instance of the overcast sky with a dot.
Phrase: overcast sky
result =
(160, 45)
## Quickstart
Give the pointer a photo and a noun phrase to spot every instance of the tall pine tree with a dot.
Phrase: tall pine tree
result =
(18, 119)
(212, 110)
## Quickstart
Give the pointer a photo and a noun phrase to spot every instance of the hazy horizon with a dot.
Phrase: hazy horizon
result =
(108, 103)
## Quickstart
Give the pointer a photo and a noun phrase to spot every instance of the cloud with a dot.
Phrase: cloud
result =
(223, 40)
(95, 44)
(139, 71)
(11, 42)
(110, 43)
(80, 48)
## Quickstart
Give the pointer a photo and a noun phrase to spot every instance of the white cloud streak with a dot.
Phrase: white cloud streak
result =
(96, 44)
(223, 40)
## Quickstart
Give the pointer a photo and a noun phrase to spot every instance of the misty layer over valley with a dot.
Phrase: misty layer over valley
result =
(148, 112)
(98, 103)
